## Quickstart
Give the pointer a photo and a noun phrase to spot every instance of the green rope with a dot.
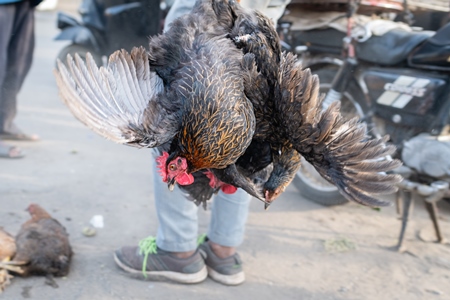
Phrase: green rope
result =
(201, 239)
(147, 246)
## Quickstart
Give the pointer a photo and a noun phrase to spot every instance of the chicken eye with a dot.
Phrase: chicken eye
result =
(172, 167)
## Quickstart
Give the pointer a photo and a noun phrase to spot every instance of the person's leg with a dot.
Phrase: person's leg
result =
(228, 217)
(226, 232)
(178, 226)
(7, 13)
(177, 230)
(19, 52)
(175, 236)
(173, 254)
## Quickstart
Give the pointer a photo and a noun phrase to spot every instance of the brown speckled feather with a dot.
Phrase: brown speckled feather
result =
(220, 123)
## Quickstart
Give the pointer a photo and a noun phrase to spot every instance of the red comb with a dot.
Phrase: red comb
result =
(161, 161)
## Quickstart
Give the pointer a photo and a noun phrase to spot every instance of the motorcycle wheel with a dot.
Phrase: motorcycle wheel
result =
(82, 51)
(309, 182)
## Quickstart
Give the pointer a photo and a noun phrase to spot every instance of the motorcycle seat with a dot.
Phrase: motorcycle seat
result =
(328, 40)
(391, 48)
(388, 49)
(434, 54)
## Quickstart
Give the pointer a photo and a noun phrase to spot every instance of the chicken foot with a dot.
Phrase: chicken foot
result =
(5, 277)
(13, 266)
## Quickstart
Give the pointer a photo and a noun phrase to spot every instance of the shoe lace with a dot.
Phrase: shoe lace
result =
(147, 246)
(201, 239)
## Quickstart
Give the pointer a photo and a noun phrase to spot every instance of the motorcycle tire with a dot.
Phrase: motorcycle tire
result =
(82, 51)
(309, 182)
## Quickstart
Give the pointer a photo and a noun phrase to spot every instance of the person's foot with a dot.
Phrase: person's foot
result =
(226, 270)
(147, 261)
(7, 151)
(19, 137)
(15, 134)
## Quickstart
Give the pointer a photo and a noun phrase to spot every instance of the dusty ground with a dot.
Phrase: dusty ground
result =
(75, 175)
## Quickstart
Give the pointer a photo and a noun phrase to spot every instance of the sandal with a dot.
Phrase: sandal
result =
(10, 152)
(19, 137)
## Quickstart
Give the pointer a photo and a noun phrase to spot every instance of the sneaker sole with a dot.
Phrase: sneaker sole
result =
(235, 279)
(162, 275)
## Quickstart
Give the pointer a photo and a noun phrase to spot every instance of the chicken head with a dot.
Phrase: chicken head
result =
(174, 171)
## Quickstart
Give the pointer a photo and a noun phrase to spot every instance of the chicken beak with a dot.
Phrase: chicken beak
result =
(171, 183)
(267, 202)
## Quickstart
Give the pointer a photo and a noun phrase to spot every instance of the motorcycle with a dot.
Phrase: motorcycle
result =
(397, 82)
(107, 26)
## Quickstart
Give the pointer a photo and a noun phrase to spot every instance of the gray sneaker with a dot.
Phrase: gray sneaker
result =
(147, 261)
(227, 270)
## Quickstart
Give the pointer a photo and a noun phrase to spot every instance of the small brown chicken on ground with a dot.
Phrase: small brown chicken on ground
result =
(42, 245)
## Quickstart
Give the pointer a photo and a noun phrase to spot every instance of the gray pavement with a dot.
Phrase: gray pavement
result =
(75, 175)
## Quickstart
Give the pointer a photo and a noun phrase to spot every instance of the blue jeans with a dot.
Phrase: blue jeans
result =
(177, 216)
(16, 55)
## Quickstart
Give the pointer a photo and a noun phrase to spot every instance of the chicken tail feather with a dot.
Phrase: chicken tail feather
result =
(340, 150)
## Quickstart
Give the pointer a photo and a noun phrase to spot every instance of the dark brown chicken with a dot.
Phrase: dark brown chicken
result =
(42, 245)
(289, 118)
(215, 92)
(191, 101)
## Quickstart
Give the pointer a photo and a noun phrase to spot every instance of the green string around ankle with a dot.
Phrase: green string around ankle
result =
(147, 246)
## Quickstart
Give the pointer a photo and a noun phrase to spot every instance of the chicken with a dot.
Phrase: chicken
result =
(42, 245)
(193, 107)
(222, 104)
(7, 251)
(207, 183)
(290, 119)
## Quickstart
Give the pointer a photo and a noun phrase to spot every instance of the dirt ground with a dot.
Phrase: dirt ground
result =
(289, 252)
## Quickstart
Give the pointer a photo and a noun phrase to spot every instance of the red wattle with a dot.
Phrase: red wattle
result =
(213, 182)
(185, 179)
(228, 189)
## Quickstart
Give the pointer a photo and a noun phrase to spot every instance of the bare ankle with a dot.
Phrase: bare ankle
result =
(183, 254)
(222, 251)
